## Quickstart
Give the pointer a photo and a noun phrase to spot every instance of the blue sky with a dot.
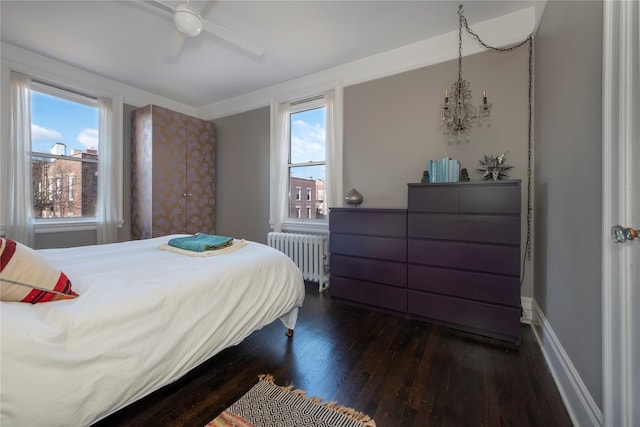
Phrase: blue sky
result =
(308, 141)
(55, 120)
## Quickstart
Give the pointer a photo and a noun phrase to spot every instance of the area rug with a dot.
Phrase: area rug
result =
(270, 405)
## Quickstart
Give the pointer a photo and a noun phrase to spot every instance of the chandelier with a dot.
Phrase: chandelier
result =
(457, 113)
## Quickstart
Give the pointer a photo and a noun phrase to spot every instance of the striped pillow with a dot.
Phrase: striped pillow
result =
(26, 276)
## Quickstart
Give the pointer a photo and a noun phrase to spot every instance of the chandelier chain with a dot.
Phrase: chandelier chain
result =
(529, 151)
(489, 47)
(460, 47)
(529, 41)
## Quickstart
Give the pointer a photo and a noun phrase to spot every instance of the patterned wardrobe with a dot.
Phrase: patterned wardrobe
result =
(172, 173)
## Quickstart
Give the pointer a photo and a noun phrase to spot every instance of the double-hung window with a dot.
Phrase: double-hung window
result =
(64, 153)
(61, 166)
(306, 161)
(307, 156)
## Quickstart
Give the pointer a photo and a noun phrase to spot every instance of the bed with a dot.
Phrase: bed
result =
(143, 318)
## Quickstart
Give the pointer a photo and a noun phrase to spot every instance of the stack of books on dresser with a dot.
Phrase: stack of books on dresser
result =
(444, 170)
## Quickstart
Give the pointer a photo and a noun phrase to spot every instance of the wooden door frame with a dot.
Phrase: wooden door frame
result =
(620, 109)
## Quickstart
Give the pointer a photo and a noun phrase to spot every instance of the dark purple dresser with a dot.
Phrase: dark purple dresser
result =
(369, 257)
(463, 256)
(453, 257)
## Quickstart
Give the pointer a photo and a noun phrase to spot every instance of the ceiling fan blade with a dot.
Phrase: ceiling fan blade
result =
(233, 38)
(197, 6)
(161, 5)
(174, 44)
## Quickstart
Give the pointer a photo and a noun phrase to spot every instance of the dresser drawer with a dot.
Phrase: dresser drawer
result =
(372, 222)
(500, 229)
(465, 256)
(382, 296)
(493, 320)
(470, 197)
(490, 288)
(368, 247)
(372, 270)
(490, 198)
(433, 198)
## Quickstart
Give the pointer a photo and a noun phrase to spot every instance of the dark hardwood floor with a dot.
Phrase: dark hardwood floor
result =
(399, 371)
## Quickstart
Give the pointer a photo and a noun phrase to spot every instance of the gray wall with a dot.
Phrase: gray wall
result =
(65, 240)
(568, 209)
(392, 125)
(242, 175)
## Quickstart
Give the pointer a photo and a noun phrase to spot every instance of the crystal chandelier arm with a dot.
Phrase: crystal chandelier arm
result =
(457, 114)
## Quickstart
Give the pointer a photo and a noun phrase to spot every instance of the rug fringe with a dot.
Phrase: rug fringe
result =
(361, 418)
(267, 378)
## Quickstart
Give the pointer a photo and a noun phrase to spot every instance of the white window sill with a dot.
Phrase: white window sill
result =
(70, 224)
(313, 227)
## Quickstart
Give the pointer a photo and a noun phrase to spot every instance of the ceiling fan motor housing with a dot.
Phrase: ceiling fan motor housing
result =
(187, 22)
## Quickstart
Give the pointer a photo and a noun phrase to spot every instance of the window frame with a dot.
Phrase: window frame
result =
(299, 221)
(73, 96)
(73, 79)
(328, 93)
(295, 107)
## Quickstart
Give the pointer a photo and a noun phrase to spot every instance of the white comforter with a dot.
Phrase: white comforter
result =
(144, 318)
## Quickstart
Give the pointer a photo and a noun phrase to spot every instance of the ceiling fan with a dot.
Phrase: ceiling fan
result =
(189, 23)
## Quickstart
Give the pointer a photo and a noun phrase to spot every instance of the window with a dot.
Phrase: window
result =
(59, 115)
(58, 187)
(57, 129)
(50, 189)
(71, 181)
(306, 153)
(307, 149)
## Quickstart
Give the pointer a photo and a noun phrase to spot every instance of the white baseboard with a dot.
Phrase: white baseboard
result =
(581, 407)
(527, 310)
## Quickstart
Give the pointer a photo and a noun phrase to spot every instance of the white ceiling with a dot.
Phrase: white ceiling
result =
(125, 40)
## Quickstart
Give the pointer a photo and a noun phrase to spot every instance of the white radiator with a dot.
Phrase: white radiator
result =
(310, 252)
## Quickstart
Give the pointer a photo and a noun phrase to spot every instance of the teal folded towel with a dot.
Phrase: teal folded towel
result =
(201, 242)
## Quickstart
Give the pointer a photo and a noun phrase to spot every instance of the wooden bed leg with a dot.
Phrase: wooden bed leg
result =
(289, 333)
